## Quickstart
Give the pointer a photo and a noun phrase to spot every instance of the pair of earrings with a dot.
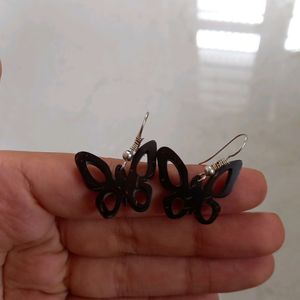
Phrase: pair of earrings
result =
(131, 187)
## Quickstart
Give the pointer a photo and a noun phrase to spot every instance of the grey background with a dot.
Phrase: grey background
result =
(81, 75)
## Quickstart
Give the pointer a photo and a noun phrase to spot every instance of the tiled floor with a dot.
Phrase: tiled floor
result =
(81, 74)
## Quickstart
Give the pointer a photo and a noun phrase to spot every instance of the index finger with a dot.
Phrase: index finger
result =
(56, 183)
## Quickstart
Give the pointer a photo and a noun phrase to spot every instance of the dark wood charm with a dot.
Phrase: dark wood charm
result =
(131, 187)
(197, 196)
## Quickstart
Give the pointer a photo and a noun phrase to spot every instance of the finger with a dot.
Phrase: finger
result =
(134, 276)
(200, 297)
(32, 294)
(55, 182)
(231, 236)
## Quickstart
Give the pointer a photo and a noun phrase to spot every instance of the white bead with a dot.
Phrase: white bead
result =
(209, 171)
(127, 155)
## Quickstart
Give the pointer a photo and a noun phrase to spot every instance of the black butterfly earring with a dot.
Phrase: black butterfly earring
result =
(201, 192)
(125, 186)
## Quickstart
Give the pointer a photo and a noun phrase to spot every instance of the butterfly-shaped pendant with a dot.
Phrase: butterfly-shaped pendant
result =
(194, 196)
(123, 187)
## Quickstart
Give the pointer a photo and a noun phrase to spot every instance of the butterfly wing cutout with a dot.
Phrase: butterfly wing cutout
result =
(221, 183)
(225, 177)
(139, 193)
(180, 191)
(105, 188)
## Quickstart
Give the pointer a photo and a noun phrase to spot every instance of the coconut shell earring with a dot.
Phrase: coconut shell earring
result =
(198, 196)
(125, 186)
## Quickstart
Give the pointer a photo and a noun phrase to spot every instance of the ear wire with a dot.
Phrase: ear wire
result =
(128, 154)
(225, 146)
(210, 170)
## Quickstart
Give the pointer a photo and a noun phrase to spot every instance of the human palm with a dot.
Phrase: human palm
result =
(54, 245)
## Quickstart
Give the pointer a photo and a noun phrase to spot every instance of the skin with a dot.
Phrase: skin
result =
(54, 245)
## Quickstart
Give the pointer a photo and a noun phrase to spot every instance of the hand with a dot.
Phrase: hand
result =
(54, 245)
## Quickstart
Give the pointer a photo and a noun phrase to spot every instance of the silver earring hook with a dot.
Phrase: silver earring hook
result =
(143, 125)
(128, 154)
(225, 146)
(211, 169)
